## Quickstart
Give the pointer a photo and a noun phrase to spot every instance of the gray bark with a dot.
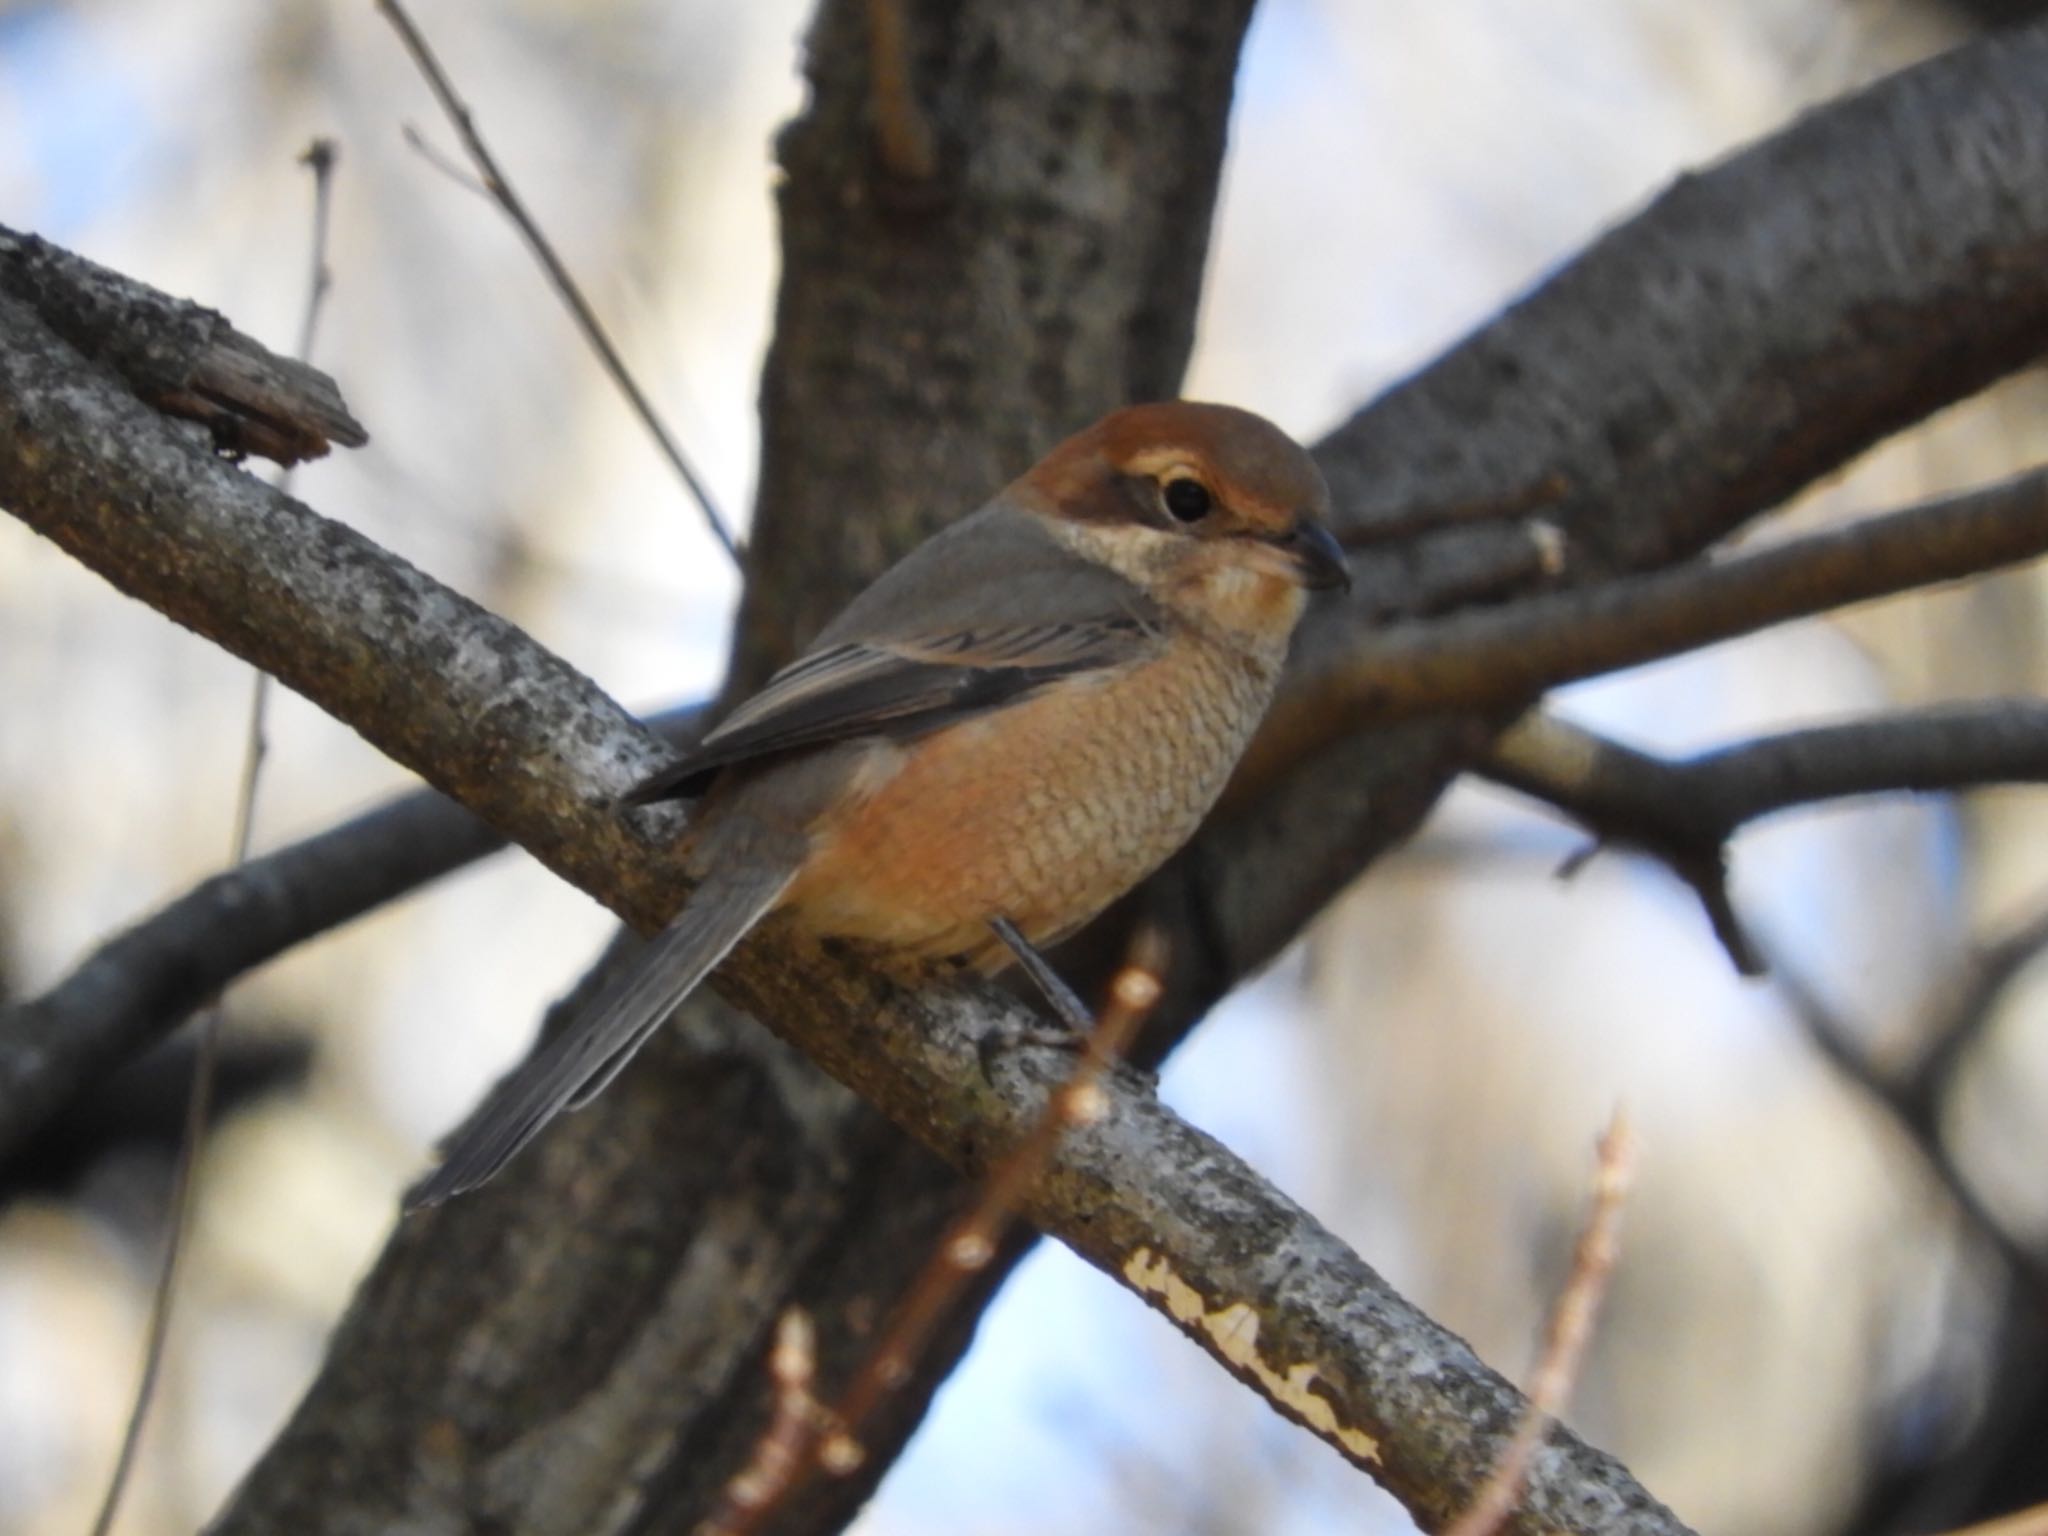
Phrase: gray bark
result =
(576, 1348)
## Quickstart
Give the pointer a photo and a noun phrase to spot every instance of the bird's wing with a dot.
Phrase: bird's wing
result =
(981, 616)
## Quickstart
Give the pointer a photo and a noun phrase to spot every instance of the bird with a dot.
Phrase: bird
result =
(1013, 725)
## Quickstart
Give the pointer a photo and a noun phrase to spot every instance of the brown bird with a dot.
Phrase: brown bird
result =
(1020, 720)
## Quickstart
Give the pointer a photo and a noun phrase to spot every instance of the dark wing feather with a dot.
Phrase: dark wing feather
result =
(979, 615)
(587, 1055)
(901, 687)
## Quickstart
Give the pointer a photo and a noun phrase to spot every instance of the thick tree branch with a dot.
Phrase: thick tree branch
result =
(1172, 1214)
(184, 360)
(142, 982)
(1755, 327)
(1748, 332)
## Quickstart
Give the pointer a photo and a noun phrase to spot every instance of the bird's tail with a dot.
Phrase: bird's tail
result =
(592, 1049)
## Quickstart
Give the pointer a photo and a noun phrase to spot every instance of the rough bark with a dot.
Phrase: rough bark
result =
(184, 360)
(1760, 323)
(562, 1302)
(930, 342)
(614, 1207)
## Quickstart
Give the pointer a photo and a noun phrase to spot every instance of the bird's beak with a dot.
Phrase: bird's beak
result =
(1317, 557)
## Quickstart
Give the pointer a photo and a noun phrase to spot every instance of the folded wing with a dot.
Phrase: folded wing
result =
(981, 616)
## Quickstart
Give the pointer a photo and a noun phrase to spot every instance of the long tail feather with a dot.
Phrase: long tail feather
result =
(590, 1052)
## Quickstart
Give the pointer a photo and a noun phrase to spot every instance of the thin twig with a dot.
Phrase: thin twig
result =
(319, 158)
(831, 1437)
(501, 193)
(1685, 811)
(420, 145)
(779, 1454)
(1915, 1103)
(1571, 1328)
(1974, 996)
(970, 1242)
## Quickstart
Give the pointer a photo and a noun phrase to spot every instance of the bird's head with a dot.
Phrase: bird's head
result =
(1213, 511)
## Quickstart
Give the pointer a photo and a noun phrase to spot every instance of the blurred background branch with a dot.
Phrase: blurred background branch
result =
(1828, 1326)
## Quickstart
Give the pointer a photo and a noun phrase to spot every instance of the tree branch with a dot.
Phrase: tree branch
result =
(1783, 311)
(1906, 1101)
(1684, 812)
(1759, 324)
(1972, 1004)
(184, 360)
(538, 750)
(139, 985)
(1497, 657)
(143, 982)
(498, 188)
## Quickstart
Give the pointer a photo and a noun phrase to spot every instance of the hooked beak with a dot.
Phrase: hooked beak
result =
(1318, 558)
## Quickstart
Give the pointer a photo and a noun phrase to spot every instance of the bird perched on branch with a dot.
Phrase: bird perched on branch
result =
(1020, 720)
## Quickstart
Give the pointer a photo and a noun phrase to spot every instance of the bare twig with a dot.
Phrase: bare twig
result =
(1915, 1102)
(1973, 1000)
(1571, 1328)
(786, 1444)
(501, 192)
(319, 158)
(1684, 812)
(430, 152)
(969, 1243)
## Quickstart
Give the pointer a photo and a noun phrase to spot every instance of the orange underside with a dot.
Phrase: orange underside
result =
(1043, 813)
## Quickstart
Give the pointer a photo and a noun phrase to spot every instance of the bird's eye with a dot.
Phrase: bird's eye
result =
(1187, 500)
